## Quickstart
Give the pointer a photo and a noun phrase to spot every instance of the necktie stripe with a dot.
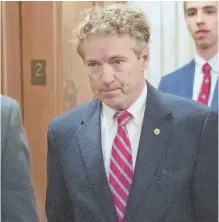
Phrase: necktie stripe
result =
(118, 204)
(119, 183)
(125, 151)
(121, 170)
(119, 208)
(122, 152)
(122, 164)
(125, 130)
(119, 212)
(118, 196)
(122, 157)
(124, 122)
(124, 144)
(124, 186)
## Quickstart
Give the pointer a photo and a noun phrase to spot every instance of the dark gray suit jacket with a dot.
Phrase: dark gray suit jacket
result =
(175, 176)
(18, 202)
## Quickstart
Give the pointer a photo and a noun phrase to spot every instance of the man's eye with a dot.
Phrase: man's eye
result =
(191, 13)
(117, 61)
(92, 64)
(210, 12)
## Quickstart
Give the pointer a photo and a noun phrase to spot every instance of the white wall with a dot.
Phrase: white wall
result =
(171, 45)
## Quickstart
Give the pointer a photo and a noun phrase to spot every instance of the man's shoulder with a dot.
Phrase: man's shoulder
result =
(74, 116)
(179, 72)
(183, 107)
(7, 105)
(7, 102)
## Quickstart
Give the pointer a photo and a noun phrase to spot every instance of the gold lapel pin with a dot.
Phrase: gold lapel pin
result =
(156, 131)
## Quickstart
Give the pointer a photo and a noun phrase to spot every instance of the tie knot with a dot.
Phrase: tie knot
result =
(206, 69)
(123, 117)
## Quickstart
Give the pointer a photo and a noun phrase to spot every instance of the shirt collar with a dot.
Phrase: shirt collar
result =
(135, 109)
(213, 62)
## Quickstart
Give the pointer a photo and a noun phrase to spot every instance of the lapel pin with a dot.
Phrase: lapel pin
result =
(156, 131)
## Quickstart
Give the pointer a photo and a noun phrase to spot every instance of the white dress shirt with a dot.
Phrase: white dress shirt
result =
(109, 128)
(199, 75)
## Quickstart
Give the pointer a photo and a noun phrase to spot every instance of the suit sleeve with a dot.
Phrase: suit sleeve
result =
(18, 199)
(205, 180)
(58, 203)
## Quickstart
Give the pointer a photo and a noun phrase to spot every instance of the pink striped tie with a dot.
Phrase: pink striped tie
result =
(121, 169)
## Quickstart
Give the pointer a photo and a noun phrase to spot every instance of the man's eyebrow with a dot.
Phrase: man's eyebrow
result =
(210, 7)
(90, 60)
(205, 7)
(117, 57)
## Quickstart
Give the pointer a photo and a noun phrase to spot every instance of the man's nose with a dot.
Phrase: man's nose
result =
(199, 18)
(108, 75)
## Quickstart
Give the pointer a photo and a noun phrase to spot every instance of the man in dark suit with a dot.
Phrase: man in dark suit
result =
(18, 201)
(198, 80)
(134, 153)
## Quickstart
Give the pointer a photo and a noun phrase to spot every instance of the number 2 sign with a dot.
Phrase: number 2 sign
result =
(38, 72)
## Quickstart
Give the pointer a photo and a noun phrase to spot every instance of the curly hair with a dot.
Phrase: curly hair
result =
(116, 19)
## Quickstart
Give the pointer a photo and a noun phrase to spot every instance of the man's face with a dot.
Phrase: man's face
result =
(116, 73)
(202, 20)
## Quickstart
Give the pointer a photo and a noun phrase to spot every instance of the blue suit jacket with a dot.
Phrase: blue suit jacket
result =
(175, 176)
(180, 83)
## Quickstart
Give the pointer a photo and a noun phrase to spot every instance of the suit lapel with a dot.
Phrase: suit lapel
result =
(186, 89)
(150, 149)
(214, 103)
(89, 138)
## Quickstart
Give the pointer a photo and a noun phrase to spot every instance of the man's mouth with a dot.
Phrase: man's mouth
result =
(202, 31)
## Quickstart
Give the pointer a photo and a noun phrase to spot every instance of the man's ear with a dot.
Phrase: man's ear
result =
(145, 57)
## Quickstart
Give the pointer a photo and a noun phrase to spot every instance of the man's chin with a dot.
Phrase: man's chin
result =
(115, 103)
(202, 44)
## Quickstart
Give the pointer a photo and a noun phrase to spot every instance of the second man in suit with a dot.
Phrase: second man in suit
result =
(133, 154)
(18, 201)
(198, 80)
